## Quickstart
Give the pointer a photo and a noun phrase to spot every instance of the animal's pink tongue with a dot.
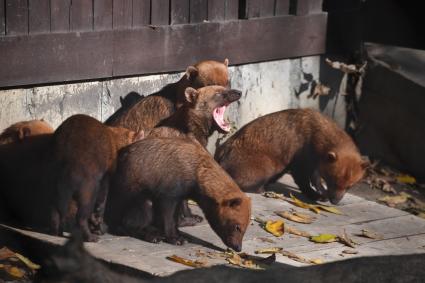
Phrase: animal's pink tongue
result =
(218, 115)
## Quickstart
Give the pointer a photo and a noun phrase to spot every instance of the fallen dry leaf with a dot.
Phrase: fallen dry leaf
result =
(13, 271)
(237, 260)
(314, 207)
(6, 253)
(346, 240)
(27, 262)
(267, 240)
(274, 195)
(192, 202)
(296, 217)
(276, 228)
(371, 235)
(393, 201)
(302, 204)
(406, 179)
(294, 231)
(288, 254)
(188, 262)
(324, 238)
(327, 208)
(352, 252)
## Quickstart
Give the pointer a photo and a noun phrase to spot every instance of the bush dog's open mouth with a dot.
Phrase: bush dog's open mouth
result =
(230, 96)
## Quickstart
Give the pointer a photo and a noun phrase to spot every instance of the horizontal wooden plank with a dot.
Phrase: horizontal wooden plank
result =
(101, 54)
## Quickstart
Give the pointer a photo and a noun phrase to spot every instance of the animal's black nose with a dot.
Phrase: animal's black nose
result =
(233, 94)
(237, 247)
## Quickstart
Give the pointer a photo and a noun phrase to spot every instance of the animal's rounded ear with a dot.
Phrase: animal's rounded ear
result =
(23, 133)
(365, 164)
(140, 135)
(234, 202)
(191, 73)
(226, 62)
(331, 156)
(191, 94)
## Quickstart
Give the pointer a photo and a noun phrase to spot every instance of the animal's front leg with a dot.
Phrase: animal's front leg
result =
(168, 214)
(186, 217)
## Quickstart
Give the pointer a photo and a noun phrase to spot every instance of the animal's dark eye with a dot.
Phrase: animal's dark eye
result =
(238, 228)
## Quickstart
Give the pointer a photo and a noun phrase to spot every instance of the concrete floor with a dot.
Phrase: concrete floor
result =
(402, 233)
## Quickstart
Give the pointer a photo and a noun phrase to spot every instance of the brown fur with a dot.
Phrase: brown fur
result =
(149, 111)
(301, 141)
(194, 119)
(21, 130)
(144, 172)
(84, 154)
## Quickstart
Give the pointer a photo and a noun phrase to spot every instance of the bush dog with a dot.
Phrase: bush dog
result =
(149, 111)
(21, 130)
(301, 141)
(84, 154)
(200, 115)
(169, 170)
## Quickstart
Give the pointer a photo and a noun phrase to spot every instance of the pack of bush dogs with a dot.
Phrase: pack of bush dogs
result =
(134, 173)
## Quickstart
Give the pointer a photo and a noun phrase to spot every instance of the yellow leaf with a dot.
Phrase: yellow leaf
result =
(27, 262)
(301, 204)
(316, 261)
(268, 250)
(14, 271)
(276, 228)
(296, 217)
(392, 201)
(327, 208)
(236, 259)
(187, 262)
(371, 235)
(406, 179)
(324, 238)
(6, 253)
(292, 230)
(192, 202)
(346, 240)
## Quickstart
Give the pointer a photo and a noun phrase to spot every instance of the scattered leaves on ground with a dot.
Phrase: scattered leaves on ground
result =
(294, 231)
(406, 179)
(13, 271)
(324, 238)
(370, 235)
(346, 240)
(188, 262)
(350, 252)
(275, 195)
(192, 202)
(276, 228)
(266, 240)
(393, 201)
(314, 207)
(296, 217)
(27, 262)
(288, 254)
(238, 260)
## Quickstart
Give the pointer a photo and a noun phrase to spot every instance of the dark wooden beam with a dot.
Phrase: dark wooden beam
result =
(305, 7)
(104, 54)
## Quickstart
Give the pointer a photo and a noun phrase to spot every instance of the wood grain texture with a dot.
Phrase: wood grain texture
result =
(99, 54)
(282, 7)
(59, 15)
(122, 14)
(39, 16)
(179, 13)
(198, 11)
(102, 14)
(231, 10)
(216, 10)
(141, 13)
(2, 18)
(16, 17)
(160, 11)
(81, 15)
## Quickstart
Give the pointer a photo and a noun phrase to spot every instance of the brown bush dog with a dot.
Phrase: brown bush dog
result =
(149, 111)
(84, 154)
(302, 141)
(24, 181)
(198, 118)
(21, 130)
(167, 171)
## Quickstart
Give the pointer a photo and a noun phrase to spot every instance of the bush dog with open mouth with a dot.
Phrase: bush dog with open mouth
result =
(149, 111)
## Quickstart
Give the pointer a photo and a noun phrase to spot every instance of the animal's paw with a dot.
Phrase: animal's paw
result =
(178, 241)
(190, 220)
